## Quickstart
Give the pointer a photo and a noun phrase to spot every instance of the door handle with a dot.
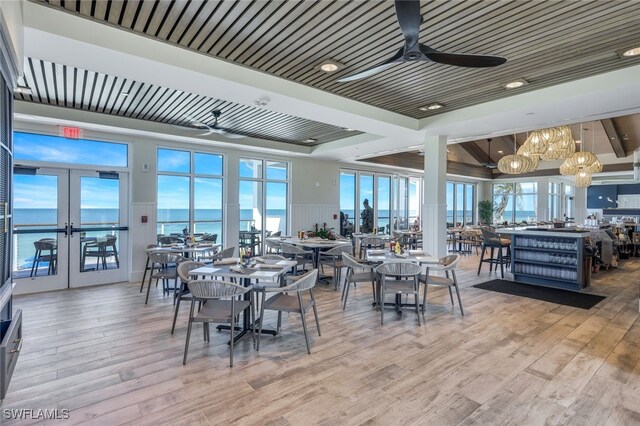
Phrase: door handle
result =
(70, 228)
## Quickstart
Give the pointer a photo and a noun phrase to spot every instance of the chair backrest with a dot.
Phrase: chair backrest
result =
(225, 254)
(273, 244)
(165, 257)
(209, 237)
(399, 269)
(111, 240)
(276, 234)
(214, 289)
(339, 250)
(170, 240)
(43, 245)
(373, 242)
(291, 249)
(150, 246)
(450, 261)
(351, 261)
(185, 267)
(490, 236)
(305, 282)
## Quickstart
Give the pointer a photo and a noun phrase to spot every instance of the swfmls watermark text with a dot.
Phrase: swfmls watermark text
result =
(35, 414)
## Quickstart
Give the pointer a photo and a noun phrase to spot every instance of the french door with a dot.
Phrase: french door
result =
(70, 228)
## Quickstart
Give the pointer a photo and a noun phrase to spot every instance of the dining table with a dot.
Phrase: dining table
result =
(386, 256)
(259, 272)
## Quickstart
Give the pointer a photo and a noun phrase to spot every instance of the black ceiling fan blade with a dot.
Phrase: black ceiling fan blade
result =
(395, 59)
(471, 61)
(409, 19)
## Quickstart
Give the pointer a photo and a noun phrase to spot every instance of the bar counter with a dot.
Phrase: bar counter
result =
(547, 256)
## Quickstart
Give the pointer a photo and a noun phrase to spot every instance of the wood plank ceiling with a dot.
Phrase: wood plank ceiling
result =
(546, 42)
(65, 86)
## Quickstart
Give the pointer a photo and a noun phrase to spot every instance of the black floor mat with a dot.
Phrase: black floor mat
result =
(554, 295)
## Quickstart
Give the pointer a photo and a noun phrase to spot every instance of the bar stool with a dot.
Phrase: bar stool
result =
(491, 240)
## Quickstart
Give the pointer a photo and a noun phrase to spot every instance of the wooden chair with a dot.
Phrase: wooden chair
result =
(290, 299)
(215, 310)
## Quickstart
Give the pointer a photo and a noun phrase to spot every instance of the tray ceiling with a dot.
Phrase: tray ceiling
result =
(70, 87)
(546, 42)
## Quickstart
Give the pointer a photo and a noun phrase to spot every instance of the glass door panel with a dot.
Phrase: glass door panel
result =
(207, 207)
(98, 216)
(173, 205)
(366, 203)
(384, 204)
(347, 203)
(40, 229)
(403, 202)
(250, 215)
(276, 206)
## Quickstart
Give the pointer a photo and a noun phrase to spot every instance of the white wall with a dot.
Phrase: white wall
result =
(13, 32)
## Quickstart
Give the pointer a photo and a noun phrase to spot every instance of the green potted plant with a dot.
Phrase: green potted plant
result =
(485, 212)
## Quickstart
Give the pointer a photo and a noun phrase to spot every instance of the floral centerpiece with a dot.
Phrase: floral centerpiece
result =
(322, 232)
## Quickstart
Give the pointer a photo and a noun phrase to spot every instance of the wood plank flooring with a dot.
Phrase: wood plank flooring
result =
(109, 359)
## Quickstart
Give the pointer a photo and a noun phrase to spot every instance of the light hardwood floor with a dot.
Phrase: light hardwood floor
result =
(109, 359)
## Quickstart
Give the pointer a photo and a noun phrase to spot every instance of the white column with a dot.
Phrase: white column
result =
(434, 207)
(232, 203)
(580, 205)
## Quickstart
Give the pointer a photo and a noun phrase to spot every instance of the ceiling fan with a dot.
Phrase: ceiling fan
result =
(409, 19)
(213, 128)
(489, 164)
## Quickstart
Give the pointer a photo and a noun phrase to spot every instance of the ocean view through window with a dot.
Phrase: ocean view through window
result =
(190, 191)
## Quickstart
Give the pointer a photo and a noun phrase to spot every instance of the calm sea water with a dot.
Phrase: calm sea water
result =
(207, 221)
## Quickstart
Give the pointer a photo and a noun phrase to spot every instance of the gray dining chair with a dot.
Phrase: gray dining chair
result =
(222, 254)
(370, 243)
(301, 256)
(357, 272)
(291, 299)
(399, 278)
(333, 257)
(147, 267)
(448, 265)
(183, 270)
(164, 264)
(219, 304)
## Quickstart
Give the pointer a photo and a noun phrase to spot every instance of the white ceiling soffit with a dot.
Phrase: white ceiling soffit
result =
(55, 36)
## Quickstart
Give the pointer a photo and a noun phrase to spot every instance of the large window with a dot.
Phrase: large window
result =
(555, 200)
(569, 195)
(461, 205)
(263, 199)
(394, 201)
(189, 193)
(515, 202)
(55, 149)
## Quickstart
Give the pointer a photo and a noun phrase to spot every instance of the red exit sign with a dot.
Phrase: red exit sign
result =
(70, 132)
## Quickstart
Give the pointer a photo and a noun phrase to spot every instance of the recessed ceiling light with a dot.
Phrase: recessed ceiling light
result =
(310, 140)
(631, 52)
(24, 90)
(578, 141)
(348, 129)
(500, 152)
(330, 66)
(124, 94)
(515, 83)
(431, 107)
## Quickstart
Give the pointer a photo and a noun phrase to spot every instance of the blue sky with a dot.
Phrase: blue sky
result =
(29, 146)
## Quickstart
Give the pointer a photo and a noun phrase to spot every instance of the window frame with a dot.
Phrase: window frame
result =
(192, 176)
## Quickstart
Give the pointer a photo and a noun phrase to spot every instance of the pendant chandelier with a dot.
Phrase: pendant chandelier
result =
(514, 164)
(582, 179)
(563, 147)
(535, 159)
(539, 140)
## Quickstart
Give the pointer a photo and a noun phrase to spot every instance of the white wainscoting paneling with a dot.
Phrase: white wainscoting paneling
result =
(629, 201)
(305, 216)
(141, 235)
